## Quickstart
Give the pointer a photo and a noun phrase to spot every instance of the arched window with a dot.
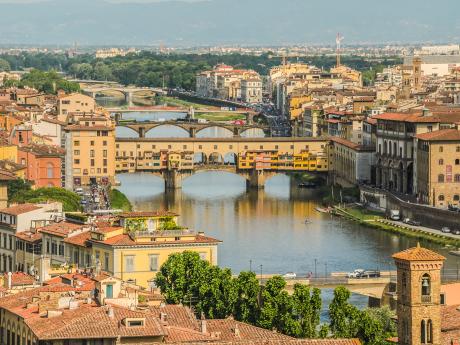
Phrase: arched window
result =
(426, 288)
(441, 197)
(50, 170)
(423, 332)
(429, 332)
(441, 178)
(457, 178)
(441, 161)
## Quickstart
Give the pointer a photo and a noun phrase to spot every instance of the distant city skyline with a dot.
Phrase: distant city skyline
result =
(226, 22)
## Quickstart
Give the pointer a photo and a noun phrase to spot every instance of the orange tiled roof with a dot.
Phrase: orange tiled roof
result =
(19, 279)
(29, 236)
(451, 134)
(61, 229)
(177, 316)
(79, 240)
(126, 240)
(450, 318)
(226, 330)
(19, 209)
(418, 254)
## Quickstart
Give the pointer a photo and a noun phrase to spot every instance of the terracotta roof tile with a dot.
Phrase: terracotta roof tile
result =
(418, 254)
(79, 240)
(61, 229)
(451, 134)
(19, 209)
(126, 240)
(226, 328)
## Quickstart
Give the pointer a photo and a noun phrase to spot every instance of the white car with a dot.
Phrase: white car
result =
(355, 274)
(289, 275)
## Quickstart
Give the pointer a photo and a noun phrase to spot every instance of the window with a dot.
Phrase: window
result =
(441, 197)
(92, 143)
(443, 299)
(441, 161)
(50, 170)
(76, 143)
(92, 162)
(76, 161)
(429, 332)
(457, 178)
(135, 323)
(423, 332)
(457, 162)
(129, 263)
(441, 149)
(104, 143)
(76, 152)
(104, 162)
(106, 261)
(153, 262)
(441, 178)
(426, 287)
(91, 153)
(458, 148)
(456, 197)
(61, 248)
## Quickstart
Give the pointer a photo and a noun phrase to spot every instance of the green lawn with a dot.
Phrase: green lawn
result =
(364, 214)
(216, 116)
(176, 102)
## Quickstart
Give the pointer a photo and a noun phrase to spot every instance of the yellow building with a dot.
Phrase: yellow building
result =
(135, 250)
(90, 152)
(438, 168)
(74, 103)
(9, 152)
(296, 100)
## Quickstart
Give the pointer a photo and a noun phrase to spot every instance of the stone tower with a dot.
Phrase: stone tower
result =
(417, 73)
(418, 286)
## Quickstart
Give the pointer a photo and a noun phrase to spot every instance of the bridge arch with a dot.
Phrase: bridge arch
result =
(157, 131)
(206, 131)
(253, 132)
(125, 132)
(215, 158)
(230, 158)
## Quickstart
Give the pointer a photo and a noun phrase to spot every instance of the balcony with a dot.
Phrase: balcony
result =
(426, 299)
(164, 233)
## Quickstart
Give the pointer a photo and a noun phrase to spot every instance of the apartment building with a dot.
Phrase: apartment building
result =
(396, 159)
(225, 82)
(74, 103)
(438, 167)
(90, 152)
(19, 218)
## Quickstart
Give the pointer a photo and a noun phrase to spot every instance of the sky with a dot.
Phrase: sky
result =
(228, 22)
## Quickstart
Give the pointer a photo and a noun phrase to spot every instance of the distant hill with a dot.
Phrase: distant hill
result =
(96, 22)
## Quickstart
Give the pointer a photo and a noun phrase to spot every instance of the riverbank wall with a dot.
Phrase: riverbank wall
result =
(429, 216)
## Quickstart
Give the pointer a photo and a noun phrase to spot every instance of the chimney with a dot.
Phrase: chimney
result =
(236, 331)
(163, 317)
(426, 112)
(204, 328)
(9, 280)
(110, 312)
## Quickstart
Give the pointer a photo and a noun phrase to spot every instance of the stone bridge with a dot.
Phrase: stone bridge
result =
(127, 91)
(192, 155)
(141, 128)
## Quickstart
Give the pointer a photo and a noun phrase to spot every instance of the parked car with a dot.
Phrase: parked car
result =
(395, 215)
(355, 274)
(456, 231)
(79, 191)
(411, 222)
(290, 275)
(445, 230)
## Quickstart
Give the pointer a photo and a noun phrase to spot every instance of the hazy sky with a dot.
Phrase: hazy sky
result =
(215, 22)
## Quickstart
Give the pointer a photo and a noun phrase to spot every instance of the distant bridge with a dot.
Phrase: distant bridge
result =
(127, 91)
(141, 128)
(256, 159)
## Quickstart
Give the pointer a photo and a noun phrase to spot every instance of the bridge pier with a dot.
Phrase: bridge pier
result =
(192, 132)
(141, 132)
(173, 179)
(236, 132)
(129, 98)
(256, 179)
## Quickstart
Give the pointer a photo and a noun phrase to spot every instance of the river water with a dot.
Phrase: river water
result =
(266, 230)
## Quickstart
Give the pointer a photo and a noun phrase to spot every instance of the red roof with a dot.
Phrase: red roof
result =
(451, 134)
(19, 209)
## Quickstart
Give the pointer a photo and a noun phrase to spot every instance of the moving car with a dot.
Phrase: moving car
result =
(289, 275)
(355, 274)
(395, 215)
(456, 232)
(411, 222)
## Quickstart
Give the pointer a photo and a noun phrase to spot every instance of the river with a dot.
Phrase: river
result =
(266, 230)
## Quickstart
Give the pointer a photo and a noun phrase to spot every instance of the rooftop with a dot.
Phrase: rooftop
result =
(418, 254)
(19, 209)
(451, 134)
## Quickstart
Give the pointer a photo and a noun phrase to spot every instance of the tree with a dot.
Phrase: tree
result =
(307, 310)
(102, 71)
(4, 66)
(18, 186)
(216, 294)
(70, 201)
(180, 277)
(344, 317)
(247, 306)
